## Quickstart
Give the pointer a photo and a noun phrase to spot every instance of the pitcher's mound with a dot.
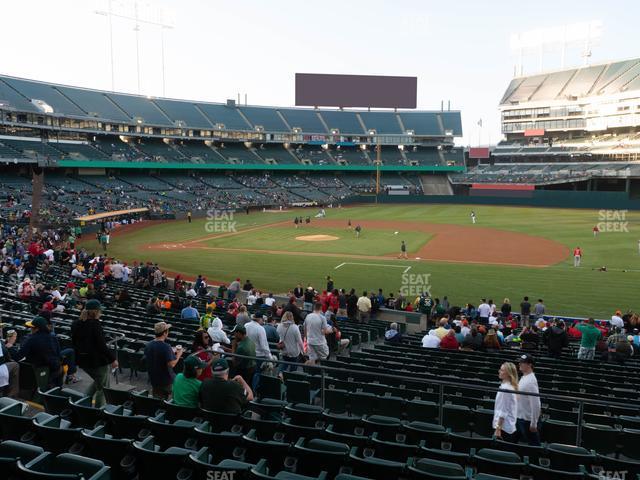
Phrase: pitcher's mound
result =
(317, 238)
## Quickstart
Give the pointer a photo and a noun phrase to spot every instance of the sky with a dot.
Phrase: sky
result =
(459, 50)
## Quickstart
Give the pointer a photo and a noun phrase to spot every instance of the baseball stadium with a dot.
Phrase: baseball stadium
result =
(349, 287)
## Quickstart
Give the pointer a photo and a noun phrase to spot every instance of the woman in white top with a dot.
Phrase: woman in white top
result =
(505, 411)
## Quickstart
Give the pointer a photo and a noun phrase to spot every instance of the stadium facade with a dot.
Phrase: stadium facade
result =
(570, 129)
(170, 152)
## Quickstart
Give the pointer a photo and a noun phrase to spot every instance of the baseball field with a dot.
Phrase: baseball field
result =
(510, 252)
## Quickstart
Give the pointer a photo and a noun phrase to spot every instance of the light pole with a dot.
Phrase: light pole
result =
(138, 20)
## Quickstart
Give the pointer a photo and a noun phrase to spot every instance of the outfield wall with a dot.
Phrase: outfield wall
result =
(537, 198)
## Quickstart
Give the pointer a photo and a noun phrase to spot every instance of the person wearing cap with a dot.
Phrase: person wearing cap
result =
(219, 394)
(309, 295)
(590, 335)
(41, 349)
(161, 359)
(243, 345)
(91, 351)
(186, 386)
(528, 405)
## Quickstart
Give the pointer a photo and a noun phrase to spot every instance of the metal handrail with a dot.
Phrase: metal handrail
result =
(580, 401)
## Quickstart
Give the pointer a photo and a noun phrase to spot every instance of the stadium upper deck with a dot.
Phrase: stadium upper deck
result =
(26, 101)
(571, 102)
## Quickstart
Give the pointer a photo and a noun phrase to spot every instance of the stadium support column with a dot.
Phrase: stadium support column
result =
(378, 161)
(36, 197)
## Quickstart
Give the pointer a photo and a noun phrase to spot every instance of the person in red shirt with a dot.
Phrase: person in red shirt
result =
(577, 256)
(573, 332)
(449, 341)
(596, 230)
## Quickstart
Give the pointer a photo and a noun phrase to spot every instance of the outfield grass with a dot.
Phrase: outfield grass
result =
(566, 290)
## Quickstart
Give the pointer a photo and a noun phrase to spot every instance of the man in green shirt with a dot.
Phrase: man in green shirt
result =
(224, 395)
(243, 345)
(589, 339)
(186, 386)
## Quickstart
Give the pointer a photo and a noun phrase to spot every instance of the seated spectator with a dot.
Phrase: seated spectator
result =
(271, 330)
(473, 340)
(242, 317)
(294, 309)
(166, 304)
(207, 318)
(216, 334)
(186, 386)
(443, 328)
(393, 335)
(10, 343)
(152, 306)
(458, 333)
(41, 349)
(431, 340)
(618, 346)
(201, 342)
(123, 298)
(491, 341)
(449, 341)
(219, 394)
(190, 313)
(530, 338)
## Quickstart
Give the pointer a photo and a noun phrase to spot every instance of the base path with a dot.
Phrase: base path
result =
(449, 243)
(471, 244)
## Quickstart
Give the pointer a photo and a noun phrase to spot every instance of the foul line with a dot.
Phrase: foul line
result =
(406, 269)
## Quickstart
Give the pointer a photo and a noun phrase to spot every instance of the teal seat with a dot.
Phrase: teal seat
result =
(374, 467)
(179, 412)
(275, 449)
(221, 444)
(262, 471)
(568, 457)
(56, 434)
(154, 463)
(63, 467)
(435, 469)
(317, 455)
(12, 451)
(430, 433)
(497, 462)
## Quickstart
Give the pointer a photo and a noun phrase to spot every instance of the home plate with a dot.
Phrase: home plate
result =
(417, 258)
